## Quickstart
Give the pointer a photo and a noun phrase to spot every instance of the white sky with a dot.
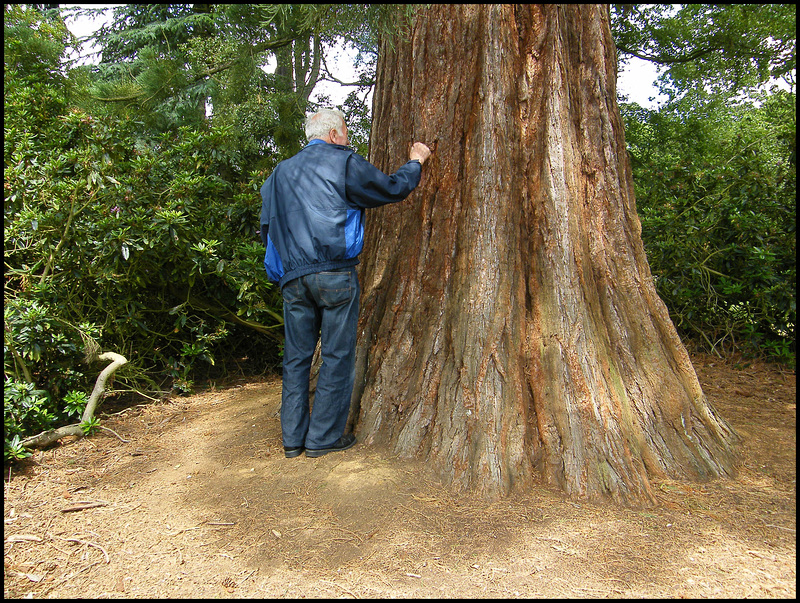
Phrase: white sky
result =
(635, 81)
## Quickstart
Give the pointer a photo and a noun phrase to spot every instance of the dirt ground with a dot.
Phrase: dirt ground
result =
(200, 502)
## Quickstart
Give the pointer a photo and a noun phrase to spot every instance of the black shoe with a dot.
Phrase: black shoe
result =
(343, 443)
(293, 451)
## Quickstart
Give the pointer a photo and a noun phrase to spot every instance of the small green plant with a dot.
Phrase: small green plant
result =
(14, 450)
(26, 410)
(90, 426)
(74, 403)
(180, 369)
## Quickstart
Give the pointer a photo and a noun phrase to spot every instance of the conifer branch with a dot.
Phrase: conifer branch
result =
(257, 49)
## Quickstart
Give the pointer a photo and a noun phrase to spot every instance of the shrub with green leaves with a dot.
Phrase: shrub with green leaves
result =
(44, 368)
(41, 348)
(716, 188)
(28, 411)
(146, 243)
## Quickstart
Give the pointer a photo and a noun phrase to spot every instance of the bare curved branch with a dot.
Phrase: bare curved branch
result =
(46, 438)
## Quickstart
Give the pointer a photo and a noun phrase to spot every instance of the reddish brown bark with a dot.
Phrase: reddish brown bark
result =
(510, 327)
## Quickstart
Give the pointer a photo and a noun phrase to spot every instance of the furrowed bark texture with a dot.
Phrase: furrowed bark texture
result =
(510, 328)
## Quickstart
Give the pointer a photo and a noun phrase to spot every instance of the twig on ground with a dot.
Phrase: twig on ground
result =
(772, 525)
(85, 504)
(139, 504)
(181, 531)
(67, 553)
(119, 437)
(23, 538)
(220, 523)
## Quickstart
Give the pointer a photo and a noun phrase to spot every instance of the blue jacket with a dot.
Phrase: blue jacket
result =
(312, 212)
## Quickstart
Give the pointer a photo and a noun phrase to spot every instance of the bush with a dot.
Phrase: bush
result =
(146, 244)
(28, 411)
(43, 349)
(155, 242)
(42, 356)
(715, 192)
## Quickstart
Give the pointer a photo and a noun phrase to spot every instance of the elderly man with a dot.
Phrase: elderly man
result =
(312, 219)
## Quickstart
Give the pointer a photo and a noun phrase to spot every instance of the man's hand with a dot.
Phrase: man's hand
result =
(419, 151)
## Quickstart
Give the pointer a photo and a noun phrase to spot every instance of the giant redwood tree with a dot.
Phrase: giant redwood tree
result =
(510, 328)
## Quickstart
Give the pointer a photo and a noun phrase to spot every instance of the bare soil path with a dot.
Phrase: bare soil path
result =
(201, 503)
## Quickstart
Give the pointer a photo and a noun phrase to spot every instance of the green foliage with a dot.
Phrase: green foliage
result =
(716, 193)
(90, 426)
(147, 71)
(726, 49)
(715, 168)
(33, 45)
(13, 450)
(251, 68)
(75, 403)
(26, 411)
(144, 241)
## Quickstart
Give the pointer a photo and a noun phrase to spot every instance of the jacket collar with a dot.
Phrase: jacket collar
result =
(320, 141)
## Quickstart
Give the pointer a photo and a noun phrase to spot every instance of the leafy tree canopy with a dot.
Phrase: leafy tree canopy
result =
(725, 49)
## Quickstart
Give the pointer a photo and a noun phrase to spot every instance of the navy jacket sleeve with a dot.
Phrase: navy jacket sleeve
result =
(367, 186)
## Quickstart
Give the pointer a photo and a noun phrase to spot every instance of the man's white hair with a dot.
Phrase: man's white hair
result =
(323, 121)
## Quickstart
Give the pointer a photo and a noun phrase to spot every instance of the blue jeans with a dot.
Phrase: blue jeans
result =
(325, 302)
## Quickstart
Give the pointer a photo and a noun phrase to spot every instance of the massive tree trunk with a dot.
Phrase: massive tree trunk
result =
(510, 329)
